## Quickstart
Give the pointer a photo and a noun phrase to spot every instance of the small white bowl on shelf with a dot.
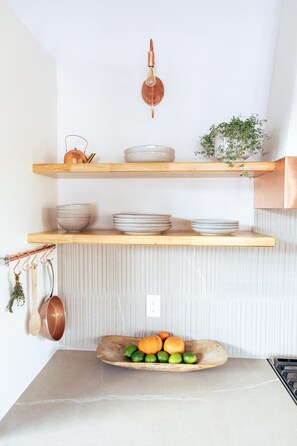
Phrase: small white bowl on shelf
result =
(79, 206)
(149, 153)
(74, 224)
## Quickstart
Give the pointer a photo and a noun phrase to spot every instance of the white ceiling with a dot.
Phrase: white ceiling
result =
(83, 31)
(87, 31)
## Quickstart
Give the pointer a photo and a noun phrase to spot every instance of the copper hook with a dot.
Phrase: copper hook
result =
(43, 258)
(33, 265)
(17, 264)
(28, 267)
(50, 251)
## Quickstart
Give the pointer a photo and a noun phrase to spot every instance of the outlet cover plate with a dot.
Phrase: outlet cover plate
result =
(153, 305)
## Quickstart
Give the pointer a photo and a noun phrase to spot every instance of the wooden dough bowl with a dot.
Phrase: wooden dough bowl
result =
(209, 353)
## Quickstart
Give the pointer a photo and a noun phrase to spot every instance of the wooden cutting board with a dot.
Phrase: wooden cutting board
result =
(209, 353)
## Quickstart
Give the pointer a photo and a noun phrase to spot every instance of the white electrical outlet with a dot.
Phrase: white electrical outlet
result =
(152, 305)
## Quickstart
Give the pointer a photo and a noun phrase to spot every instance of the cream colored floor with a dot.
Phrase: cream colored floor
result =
(76, 400)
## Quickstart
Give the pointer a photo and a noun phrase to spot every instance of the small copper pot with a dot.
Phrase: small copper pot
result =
(52, 313)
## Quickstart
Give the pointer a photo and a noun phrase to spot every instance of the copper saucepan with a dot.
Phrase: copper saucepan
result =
(52, 313)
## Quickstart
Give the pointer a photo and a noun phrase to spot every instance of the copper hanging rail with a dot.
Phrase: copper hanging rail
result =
(7, 259)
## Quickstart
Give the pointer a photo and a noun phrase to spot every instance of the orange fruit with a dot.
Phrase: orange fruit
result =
(164, 335)
(174, 344)
(150, 345)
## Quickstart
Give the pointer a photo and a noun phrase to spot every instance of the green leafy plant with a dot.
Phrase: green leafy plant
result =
(235, 140)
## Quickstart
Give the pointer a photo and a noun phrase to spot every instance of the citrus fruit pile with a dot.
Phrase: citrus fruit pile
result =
(160, 348)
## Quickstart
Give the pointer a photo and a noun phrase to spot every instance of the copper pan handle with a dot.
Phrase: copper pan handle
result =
(52, 279)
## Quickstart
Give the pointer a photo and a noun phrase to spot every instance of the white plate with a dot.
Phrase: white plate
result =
(215, 227)
(142, 224)
(215, 221)
(142, 229)
(215, 232)
(143, 233)
(142, 216)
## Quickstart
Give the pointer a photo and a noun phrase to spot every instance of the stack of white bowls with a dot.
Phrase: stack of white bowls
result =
(144, 224)
(214, 226)
(74, 217)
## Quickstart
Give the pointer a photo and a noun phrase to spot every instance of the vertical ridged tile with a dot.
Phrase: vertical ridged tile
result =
(243, 297)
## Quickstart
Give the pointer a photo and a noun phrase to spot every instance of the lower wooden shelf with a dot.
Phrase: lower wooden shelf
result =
(170, 238)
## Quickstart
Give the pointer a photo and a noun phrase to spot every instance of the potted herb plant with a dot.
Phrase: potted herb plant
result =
(235, 140)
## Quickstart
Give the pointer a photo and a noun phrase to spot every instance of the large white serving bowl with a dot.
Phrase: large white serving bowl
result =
(74, 224)
(149, 153)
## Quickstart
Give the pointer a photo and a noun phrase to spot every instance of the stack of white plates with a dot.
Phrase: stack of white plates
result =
(143, 224)
(74, 217)
(152, 153)
(214, 226)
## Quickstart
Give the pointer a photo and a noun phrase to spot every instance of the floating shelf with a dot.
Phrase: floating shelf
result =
(170, 238)
(153, 170)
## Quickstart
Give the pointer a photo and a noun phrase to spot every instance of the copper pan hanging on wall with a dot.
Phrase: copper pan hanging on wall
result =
(52, 313)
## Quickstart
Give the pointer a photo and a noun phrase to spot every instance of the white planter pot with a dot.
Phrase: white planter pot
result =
(221, 147)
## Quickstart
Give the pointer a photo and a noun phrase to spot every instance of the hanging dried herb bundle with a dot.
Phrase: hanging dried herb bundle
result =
(17, 294)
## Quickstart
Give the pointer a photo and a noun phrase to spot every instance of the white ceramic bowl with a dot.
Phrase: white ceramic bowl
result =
(73, 212)
(74, 224)
(75, 206)
(149, 153)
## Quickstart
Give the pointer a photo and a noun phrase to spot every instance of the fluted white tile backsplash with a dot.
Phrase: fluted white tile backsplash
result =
(245, 298)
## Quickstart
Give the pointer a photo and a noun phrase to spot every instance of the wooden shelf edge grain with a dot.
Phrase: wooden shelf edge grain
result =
(154, 170)
(170, 238)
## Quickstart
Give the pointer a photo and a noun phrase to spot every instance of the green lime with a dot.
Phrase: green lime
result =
(175, 358)
(130, 350)
(162, 356)
(150, 358)
(189, 358)
(137, 356)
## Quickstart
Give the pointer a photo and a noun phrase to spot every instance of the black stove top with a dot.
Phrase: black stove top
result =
(286, 369)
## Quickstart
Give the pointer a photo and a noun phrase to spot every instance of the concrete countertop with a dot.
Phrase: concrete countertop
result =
(77, 400)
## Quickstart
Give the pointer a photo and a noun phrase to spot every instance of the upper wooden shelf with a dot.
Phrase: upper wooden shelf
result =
(170, 238)
(153, 170)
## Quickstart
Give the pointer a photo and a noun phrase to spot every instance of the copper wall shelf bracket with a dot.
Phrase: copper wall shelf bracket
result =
(152, 89)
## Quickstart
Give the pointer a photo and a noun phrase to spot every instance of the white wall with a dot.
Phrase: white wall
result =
(215, 59)
(28, 135)
(282, 105)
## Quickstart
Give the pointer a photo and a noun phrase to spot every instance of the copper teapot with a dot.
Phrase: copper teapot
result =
(75, 156)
